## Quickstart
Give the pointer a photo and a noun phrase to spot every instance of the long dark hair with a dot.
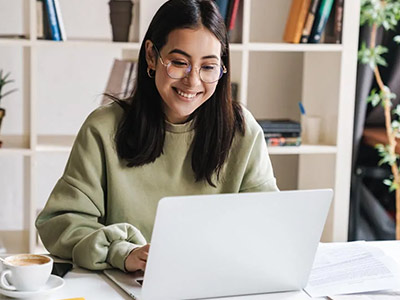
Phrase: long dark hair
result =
(141, 132)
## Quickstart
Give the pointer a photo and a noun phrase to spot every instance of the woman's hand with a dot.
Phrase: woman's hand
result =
(137, 259)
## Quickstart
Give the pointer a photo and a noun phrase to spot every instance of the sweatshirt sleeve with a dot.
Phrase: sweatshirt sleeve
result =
(259, 175)
(71, 225)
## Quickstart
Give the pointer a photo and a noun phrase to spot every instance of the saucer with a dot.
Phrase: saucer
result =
(54, 283)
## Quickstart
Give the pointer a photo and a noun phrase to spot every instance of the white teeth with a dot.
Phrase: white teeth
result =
(189, 96)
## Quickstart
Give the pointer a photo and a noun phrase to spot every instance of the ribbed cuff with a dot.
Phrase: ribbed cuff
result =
(118, 252)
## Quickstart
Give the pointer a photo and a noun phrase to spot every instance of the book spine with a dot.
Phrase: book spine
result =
(223, 7)
(338, 27)
(283, 141)
(60, 20)
(234, 15)
(281, 134)
(320, 21)
(51, 12)
(309, 21)
(46, 24)
(229, 11)
(295, 21)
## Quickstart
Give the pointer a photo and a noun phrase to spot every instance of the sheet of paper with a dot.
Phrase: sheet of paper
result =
(344, 268)
(382, 295)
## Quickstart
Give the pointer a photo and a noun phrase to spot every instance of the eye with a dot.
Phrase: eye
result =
(179, 63)
(210, 68)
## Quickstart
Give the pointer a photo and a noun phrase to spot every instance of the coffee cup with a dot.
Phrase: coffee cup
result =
(25, 272)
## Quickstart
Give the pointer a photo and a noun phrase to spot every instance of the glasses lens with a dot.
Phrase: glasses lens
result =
(211, 73)
(178, 69)
(208, 74)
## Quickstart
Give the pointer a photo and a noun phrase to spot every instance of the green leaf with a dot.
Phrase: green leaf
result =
(395, 125)
(372, 56)
(387, 158)
(374, 98)
(387, 182)
(391, 184)
(4, 81)
(382, 13)
(396, 111)
(397, 39)
(9, 92)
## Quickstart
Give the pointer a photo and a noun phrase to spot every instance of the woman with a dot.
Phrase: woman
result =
(179, 134)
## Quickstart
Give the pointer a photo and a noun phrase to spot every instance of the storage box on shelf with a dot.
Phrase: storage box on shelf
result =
(64, 81)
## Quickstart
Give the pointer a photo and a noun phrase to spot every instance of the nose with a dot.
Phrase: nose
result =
(193, 77)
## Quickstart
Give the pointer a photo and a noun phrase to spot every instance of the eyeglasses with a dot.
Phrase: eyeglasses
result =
(179, 69)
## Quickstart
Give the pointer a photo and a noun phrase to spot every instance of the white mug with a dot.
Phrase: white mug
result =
(25, 272)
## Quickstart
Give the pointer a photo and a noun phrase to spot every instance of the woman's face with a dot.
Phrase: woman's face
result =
(181, 97)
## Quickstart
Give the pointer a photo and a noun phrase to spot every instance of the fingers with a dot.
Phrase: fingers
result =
(137, 259)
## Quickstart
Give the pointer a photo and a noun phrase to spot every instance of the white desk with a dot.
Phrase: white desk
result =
(96, 286)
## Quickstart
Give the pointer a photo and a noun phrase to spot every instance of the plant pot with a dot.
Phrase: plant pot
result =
(120, 18)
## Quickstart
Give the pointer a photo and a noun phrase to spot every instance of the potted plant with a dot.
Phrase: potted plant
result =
(3, 82)
(385, 13)
(121, 18)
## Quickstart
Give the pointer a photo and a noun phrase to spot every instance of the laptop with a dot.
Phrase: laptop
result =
(223, 245)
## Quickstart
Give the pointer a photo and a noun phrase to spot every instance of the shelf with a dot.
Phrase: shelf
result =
(303, 149)
(15, 151)
(15, 145)
(50, 143)
(87, 43)
(285, 47)
(236, 47)
(15, 42)
(262, 47)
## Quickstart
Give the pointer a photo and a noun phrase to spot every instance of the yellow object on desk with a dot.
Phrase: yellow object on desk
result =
(74, 299)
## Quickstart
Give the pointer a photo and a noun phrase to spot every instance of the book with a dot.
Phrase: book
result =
(321, 18)
(338, 24)
(282, 134)
(283, 141)
(229, 13)
(43, 26)
(309, 21)
(223, 7)
(52, 17)
(231, 19)
(279, 126)
(121, 80)
(60, 20)
(39, 20)
(295, 21)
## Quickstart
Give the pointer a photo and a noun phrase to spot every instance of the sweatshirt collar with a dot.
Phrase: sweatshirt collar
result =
(179, 128)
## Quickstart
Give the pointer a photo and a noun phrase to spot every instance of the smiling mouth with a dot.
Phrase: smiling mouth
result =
(188, 96)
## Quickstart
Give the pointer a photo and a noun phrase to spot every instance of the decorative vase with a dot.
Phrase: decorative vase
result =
(121, 18)
(2, 114)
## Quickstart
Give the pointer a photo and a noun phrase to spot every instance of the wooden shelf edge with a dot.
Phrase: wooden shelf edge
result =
(303, 149)
(15, 151)
(286, 47)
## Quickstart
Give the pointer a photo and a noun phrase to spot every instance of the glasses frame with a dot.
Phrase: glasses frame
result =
(223, 69)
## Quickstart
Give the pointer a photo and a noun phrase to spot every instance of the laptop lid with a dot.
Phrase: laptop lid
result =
(234, 244)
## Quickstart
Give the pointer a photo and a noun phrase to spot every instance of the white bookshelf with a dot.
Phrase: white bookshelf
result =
(272, 76)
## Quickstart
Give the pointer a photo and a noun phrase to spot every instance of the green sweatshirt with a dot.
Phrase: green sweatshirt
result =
(100, 209)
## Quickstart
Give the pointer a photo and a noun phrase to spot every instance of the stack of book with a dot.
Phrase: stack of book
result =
(313, 21)
(50, 25)
(281, 132)
(121, 81)
(229, 10)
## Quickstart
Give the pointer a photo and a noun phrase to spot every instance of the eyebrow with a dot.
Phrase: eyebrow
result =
(189, 56)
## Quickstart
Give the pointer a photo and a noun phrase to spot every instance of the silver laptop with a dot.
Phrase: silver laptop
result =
(230, 244)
